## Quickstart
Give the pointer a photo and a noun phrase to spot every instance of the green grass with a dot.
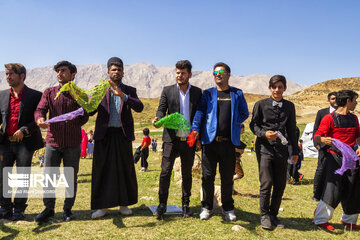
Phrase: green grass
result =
(297, 212)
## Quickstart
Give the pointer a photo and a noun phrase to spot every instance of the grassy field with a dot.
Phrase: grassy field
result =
(297, 212)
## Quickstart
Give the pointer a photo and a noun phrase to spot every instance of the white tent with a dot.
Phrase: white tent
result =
(308, 144)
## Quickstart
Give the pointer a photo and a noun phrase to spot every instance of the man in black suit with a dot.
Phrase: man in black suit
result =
(20, 136)
(321, 147)
(181, 97)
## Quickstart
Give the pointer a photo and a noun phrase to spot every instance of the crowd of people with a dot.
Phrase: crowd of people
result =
(216, 116)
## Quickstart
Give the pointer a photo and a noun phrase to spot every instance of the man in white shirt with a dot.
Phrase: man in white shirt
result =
(181, 97)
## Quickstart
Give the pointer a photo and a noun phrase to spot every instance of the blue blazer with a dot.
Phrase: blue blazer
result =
(205, 120)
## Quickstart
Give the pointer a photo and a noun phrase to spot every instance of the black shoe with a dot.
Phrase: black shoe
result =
(18, 215)
(160, 211)
(68, 216)
(45, 215)
(276, 222)
(5, 213)
(266, 222)
(186, 211)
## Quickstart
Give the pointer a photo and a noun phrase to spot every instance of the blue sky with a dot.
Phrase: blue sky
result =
(308, 41)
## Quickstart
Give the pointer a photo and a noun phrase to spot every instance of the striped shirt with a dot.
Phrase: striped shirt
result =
(61, 134)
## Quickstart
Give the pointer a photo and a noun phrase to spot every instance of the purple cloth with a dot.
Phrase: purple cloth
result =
(60, 134)
(67, 116)
(349, 157)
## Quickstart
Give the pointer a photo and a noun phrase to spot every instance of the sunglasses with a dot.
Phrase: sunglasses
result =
(221, 72)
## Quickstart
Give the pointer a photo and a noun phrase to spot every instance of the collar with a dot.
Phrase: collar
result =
(276, 103)
(187, 91)
(331, 109)
(13, 94)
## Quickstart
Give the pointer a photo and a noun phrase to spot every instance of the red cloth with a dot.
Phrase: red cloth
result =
(146, 141)
(345, 135)
(14, 107)
(191, 139)
(84, 143)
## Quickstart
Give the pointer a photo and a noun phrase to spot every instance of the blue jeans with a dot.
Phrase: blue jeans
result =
(14, 152)
(71, 158)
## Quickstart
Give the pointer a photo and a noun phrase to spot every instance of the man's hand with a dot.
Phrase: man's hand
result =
(196, 135)
(294, 159)
(358, 151)
(18, 135)
(41, 123)
(326, 140)
(317, 147)
(115, 89)
(154, 121)
(271, 135)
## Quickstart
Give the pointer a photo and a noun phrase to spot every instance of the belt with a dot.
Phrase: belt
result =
(221, 139)
(11, 139)
(182, 139)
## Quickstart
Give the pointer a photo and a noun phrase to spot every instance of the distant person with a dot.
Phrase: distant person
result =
(274, 123)
(113, 180)
(221, 111)
(91, 135)
(153, 145)
(90, 149)
(181, 97)
(145, 150)
(322, 147)
(19, 135)
(84, 143)
(63, 139)
(252, 146)
(343, 126)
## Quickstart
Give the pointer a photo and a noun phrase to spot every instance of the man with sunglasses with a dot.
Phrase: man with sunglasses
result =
(221, 111)
(274, 123)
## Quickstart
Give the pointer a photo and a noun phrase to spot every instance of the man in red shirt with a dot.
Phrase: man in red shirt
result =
(344, 126)
(19, 136)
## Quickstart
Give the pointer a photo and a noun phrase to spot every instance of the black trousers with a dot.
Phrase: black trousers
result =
(319, 178)
(170, 151)
(224, 154)
(70, 157)
(144, 156)
(272, 161)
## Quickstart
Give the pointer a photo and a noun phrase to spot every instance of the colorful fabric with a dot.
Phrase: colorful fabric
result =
(84, 143)
(67, 116)
(349, 157)
(88, 99)
(173, 121)
(191, 139)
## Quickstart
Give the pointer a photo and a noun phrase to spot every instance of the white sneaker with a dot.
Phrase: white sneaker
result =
(99, 213)
(124, 210)
(143, 169)
(229, 215)
(205, 214)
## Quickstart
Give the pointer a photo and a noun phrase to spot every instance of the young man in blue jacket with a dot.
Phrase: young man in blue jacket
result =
(218, 120)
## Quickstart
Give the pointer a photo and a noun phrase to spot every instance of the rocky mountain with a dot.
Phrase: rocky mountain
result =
(147, 78)
(308, 101)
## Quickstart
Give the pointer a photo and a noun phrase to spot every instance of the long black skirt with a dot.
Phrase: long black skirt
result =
(343, 189)
(113, 173)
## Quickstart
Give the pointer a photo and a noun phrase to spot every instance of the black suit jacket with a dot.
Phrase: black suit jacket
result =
(29, 101)
(170, 103)
(319, 116)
